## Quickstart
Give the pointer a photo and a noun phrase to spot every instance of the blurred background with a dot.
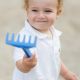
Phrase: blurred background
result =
(12, 20)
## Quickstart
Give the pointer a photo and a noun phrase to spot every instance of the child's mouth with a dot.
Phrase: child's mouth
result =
(41, 21)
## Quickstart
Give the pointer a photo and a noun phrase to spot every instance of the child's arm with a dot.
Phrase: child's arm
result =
(26, 64)
(66, 74)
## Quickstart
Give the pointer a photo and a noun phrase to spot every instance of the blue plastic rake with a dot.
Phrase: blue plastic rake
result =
(21, 44)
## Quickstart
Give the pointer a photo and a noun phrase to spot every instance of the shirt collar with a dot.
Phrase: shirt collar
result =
(40, 35)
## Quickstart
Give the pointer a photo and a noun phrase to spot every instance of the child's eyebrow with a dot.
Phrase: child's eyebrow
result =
(44, 8)
(49, 9)
(34, 7)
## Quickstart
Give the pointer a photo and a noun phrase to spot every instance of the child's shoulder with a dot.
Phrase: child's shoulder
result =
(57, 32)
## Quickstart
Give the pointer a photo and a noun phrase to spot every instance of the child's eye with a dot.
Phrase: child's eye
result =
(35, 10)
(48, 11)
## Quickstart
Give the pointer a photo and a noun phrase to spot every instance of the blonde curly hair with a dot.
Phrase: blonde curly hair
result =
(60, 4)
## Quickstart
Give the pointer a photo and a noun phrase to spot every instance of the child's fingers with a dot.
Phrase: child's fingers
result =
(34, 56)
(31, 59)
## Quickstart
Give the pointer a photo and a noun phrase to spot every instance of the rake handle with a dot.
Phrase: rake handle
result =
(27, 52)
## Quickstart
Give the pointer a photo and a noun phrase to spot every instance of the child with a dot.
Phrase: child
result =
(45, 63)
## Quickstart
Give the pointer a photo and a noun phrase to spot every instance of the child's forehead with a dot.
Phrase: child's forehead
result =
(50, 2)
(43, 1)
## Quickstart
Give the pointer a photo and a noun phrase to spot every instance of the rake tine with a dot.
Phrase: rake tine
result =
(12, 39)
(7, 37)
(24, 39)
(29, 39)
(18, 38)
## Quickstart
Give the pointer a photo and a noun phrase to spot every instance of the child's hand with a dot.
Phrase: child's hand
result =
(29, 63)
(71, 76)
(66, 74)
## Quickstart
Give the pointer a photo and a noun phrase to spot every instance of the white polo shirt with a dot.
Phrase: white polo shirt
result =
(47, 53)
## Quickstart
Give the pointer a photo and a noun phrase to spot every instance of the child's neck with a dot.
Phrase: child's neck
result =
(48, 33)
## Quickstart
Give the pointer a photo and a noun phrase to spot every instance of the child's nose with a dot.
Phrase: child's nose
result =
(41, 15)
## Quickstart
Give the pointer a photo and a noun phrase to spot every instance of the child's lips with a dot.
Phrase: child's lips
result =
(41, 21)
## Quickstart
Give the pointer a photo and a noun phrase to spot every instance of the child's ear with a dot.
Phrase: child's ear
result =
(59, 12)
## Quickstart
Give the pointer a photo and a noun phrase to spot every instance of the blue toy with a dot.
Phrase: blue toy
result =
(21, 44)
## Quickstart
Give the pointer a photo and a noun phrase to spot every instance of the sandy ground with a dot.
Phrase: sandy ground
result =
(12, 20)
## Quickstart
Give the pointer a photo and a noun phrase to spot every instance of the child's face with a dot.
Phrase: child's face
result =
(42, 14)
